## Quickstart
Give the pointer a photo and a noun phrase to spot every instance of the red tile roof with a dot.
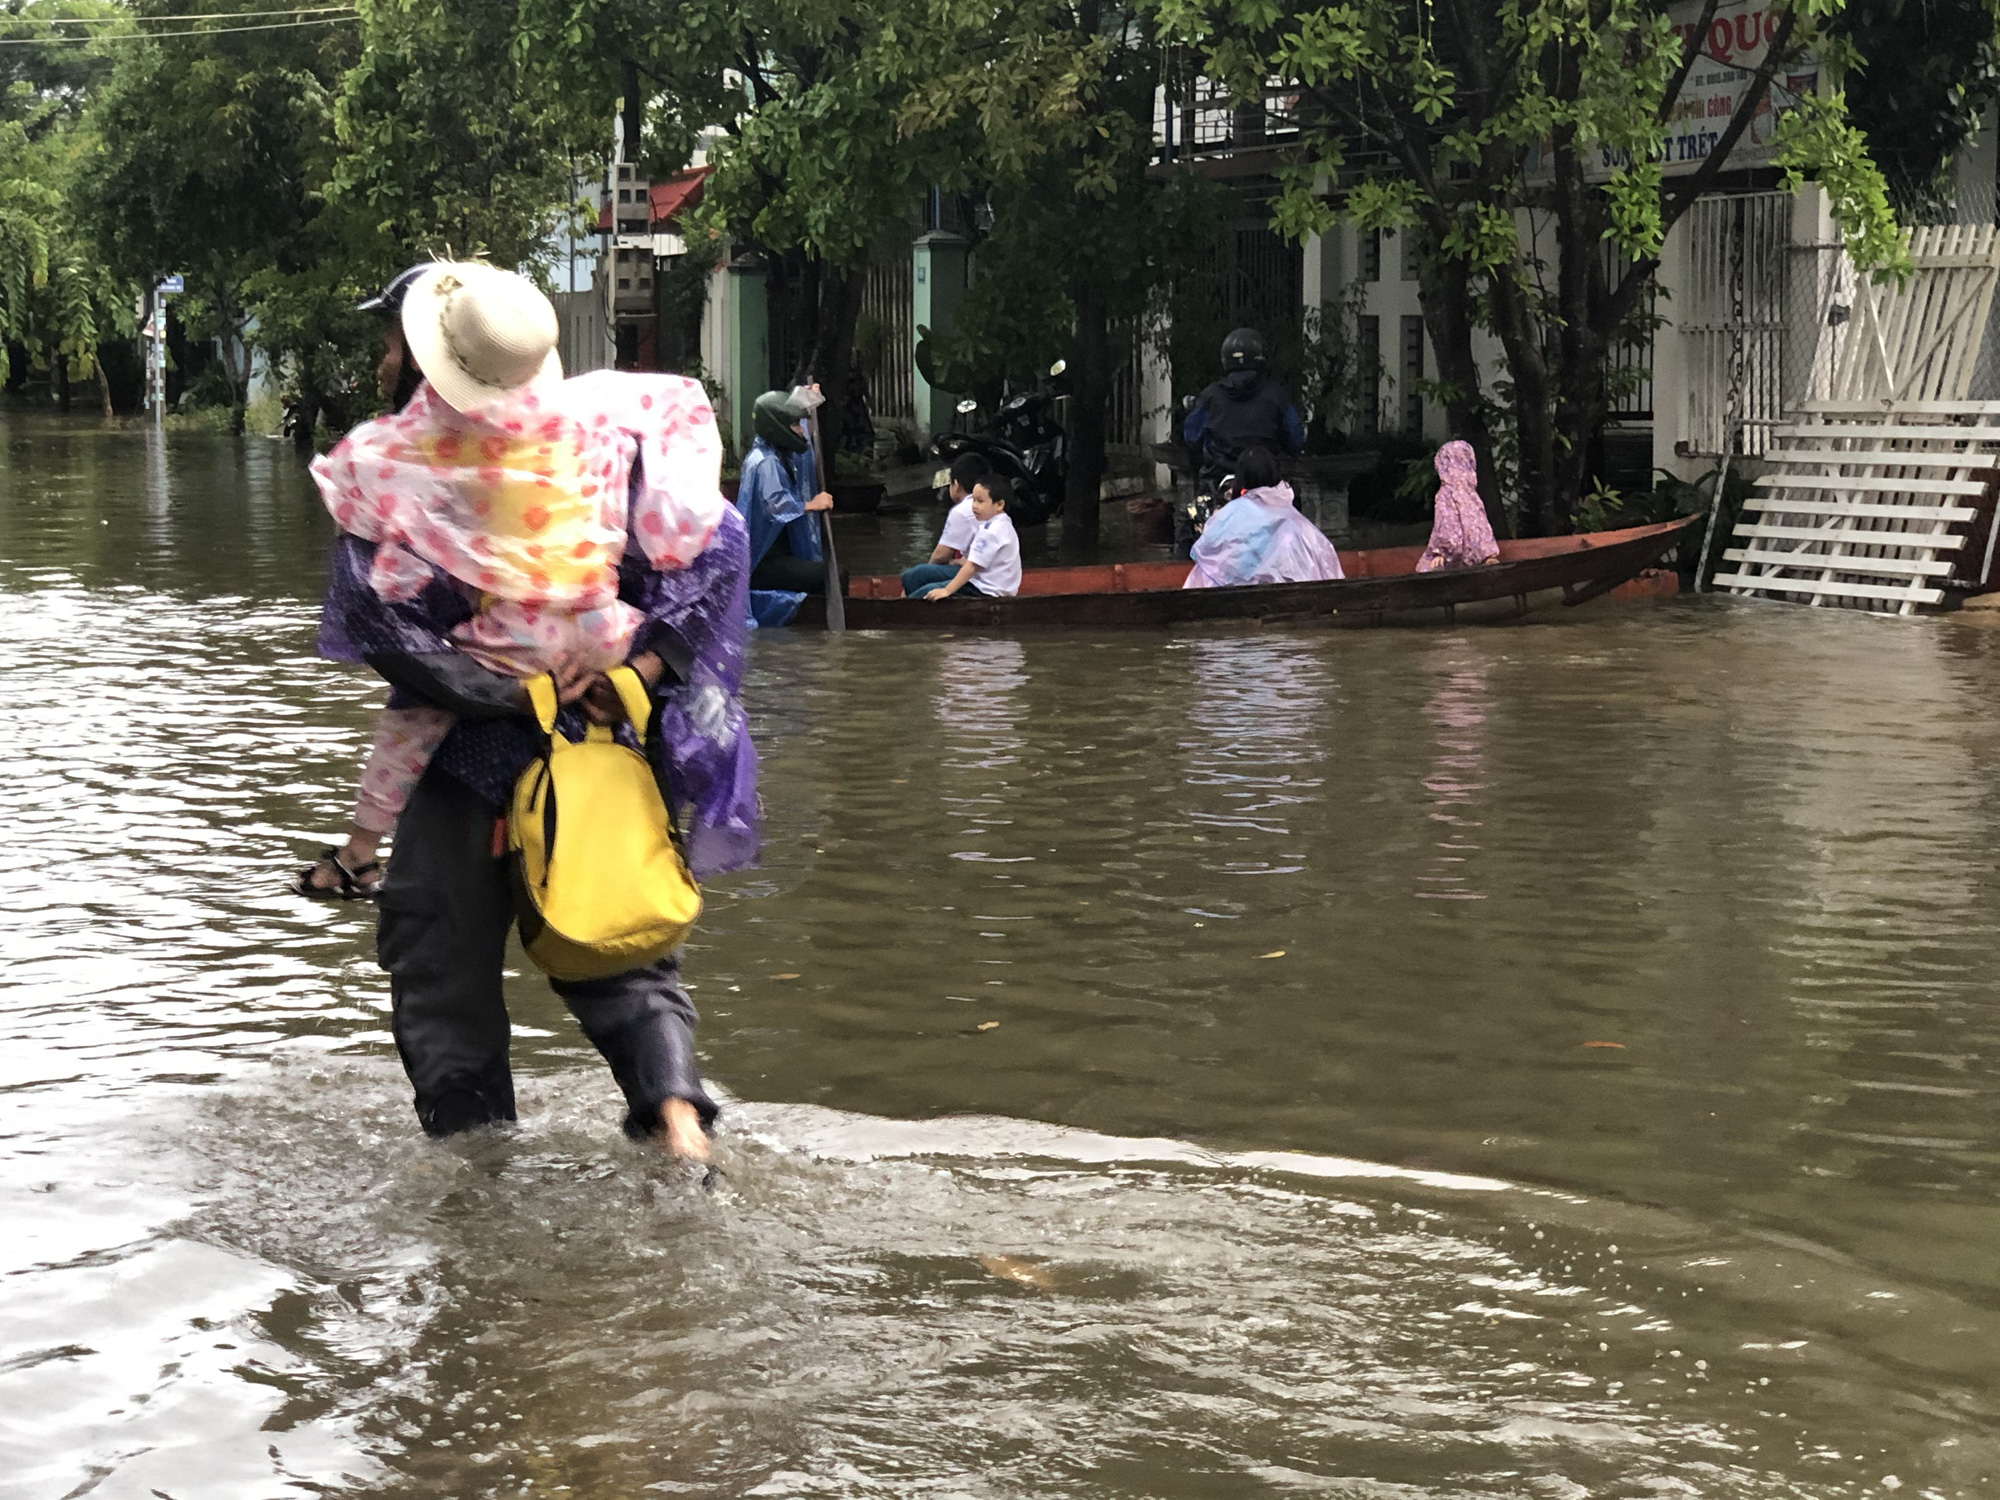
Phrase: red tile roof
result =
(680, 191)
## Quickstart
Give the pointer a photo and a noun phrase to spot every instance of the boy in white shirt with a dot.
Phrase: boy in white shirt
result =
(959, 524)
(992, 565)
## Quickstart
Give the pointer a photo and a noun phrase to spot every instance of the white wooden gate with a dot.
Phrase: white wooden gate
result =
(1920, 341)
(1868, 496)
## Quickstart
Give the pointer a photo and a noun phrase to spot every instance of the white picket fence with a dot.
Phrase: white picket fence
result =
(1871, 496)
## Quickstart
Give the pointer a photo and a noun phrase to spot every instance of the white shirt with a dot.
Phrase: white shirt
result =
(959, 525)
(996, 554)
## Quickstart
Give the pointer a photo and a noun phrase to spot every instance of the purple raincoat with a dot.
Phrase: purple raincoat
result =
(701, 744)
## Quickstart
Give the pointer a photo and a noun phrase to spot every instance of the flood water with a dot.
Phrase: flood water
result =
(1553, 1060)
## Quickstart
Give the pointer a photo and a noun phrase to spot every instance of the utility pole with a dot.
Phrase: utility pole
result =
(153, 310)
(149, 305)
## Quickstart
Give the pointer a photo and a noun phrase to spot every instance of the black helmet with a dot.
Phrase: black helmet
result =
(1243, 350)
(389, 301)
(775, 418)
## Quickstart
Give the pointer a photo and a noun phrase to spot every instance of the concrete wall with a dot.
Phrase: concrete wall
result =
(584, 334)
(1338, 260)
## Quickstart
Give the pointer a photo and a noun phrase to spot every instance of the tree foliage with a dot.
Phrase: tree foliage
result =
(211, 158)
(1925, 74)
(58, 300)
(27, 203)
(452, 140)
(797, 106)
(49, 71)
(1469, 121)
(815, 167)
(1060, 96)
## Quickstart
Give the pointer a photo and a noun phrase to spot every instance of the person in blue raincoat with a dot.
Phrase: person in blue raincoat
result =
(785, 558)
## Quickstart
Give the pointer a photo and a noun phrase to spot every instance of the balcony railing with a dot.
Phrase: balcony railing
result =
(1194, 116)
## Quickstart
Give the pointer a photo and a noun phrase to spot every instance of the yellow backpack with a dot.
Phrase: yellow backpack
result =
(599, 883)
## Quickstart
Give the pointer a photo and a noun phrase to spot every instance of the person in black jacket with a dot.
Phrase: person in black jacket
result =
(1245, 409)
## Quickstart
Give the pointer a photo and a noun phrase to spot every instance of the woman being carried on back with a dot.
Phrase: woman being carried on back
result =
(1260, 537)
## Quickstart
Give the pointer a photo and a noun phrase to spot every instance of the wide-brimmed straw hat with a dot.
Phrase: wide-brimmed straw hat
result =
(479, 332)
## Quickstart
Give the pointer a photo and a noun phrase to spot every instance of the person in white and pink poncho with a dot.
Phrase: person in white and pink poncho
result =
(1260, 537)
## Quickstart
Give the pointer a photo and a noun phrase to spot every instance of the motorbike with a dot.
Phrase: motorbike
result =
(1210, 495)
(1210, 490)
(1024, 440)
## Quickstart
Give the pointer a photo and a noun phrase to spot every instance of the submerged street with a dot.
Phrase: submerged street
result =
(1545, 1060)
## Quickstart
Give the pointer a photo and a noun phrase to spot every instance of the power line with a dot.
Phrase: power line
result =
(227, 15)
(148, 36)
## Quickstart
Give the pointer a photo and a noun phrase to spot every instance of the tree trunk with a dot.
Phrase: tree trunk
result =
(235, 356)
(1533, 402)
(103, 385)
(804, 336)
(59, 382)
(1089, 375)
(306, 421)
(1582, 347)
(840, 292)
(239, 377)
(783, 296)
(1581, 409)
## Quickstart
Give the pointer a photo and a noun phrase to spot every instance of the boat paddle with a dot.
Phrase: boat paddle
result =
(836, 605)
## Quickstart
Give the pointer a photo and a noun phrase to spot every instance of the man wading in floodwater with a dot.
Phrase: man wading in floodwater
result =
(645, 448)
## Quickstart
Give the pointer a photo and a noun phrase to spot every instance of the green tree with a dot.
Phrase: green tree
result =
(27, 203)
(321, 351)
(79, 308)
(455, 142)
(53, 61)
(212, 154)
(58, 301)
(799, 105)
(1060, 96)
(1925, 75)
(816, 168)
(1456, 120)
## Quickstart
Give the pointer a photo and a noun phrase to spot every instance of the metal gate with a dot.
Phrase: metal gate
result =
(887, 343)
(1267, 277)
(1736, 283)
(1125, 414)
(1919, 340)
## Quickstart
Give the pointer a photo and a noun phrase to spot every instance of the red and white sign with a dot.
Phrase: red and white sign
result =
(1729, 53)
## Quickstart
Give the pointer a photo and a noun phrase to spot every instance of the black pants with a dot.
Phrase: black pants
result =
(786, 574)
(446, 909)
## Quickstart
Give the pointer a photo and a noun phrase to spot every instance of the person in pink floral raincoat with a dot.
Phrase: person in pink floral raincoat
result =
(1461, 536)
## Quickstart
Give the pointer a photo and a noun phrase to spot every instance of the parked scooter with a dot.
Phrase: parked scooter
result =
(1024, 441)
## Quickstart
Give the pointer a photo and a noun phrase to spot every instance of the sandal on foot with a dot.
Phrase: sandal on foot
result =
(364, 883)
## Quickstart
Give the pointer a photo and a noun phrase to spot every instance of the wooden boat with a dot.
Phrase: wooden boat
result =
(1382, 587)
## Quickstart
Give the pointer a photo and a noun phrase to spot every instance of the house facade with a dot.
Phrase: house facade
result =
(1750, 280)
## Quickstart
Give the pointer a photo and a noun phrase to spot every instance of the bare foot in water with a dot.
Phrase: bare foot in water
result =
(685, 1137)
